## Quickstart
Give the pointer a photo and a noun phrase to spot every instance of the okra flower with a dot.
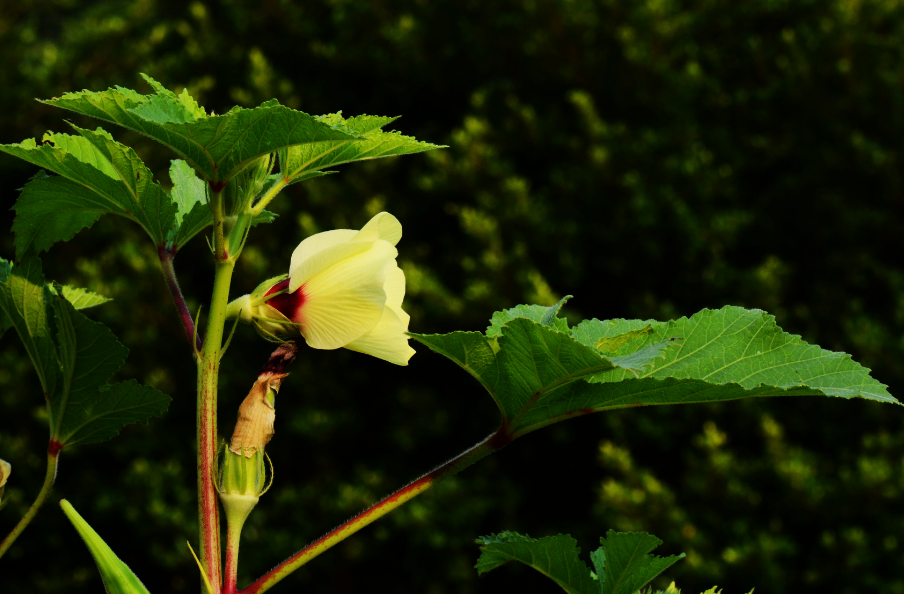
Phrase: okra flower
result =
(344, 289)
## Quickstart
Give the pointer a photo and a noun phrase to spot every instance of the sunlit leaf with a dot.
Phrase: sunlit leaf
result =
(297, 162)
(215, 146)
(539, 374)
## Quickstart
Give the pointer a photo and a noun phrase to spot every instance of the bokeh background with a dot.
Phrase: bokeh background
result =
(650, 157)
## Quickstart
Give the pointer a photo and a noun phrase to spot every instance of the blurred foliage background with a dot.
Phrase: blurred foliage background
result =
(650, 157)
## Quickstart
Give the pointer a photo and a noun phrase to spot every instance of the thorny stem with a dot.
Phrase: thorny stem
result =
(53, 456)
(492, 443)
(169, 272)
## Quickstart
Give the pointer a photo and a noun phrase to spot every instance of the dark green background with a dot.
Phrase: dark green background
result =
(652, 158)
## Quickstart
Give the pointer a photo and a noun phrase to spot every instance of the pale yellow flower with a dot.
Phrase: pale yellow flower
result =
(344, 289)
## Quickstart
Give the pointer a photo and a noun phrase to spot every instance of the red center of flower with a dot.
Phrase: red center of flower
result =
(288, 304)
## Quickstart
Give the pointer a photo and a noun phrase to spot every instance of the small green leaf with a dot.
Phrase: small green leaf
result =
(623, 563)
(117, 577)
(215, 146)
(368, 142)
(554, 556)
(82, 298)
(192, 212)
(263, 218)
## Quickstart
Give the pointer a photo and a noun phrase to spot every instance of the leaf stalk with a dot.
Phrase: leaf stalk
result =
(53, 456)
(169, 273)
(492, 443)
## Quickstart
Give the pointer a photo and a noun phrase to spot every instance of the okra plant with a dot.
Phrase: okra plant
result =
(342, 289)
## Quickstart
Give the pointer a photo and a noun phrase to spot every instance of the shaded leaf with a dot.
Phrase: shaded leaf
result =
(554, 556)
(74, 358)
(623, 563)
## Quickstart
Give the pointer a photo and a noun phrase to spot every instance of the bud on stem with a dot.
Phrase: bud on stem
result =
(242, 476)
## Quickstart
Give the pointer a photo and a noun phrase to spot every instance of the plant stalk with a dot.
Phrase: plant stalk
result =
(169, 273)
(208, 375)
(492, 443)
(53, 456)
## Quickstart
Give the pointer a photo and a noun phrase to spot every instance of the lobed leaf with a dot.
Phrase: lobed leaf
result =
(368, 142)
(624, 564)
(98, 175)
(554, 556)
(74, 358)
(215, 146)
(543, 373)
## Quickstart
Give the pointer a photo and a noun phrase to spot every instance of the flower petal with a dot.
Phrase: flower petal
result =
(394, 285)
(382, 226)
(387, 340)
(304, 267)
(346, 299)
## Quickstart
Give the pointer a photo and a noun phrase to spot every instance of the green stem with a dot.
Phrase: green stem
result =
(270, 195)
(53, 456)
(208, 374)
(492, 443)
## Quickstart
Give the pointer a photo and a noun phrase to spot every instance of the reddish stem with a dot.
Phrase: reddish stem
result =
(492, 443)
(169, 273)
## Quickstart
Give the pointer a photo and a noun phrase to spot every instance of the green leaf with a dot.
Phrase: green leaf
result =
(22, 299)
(82, 298)
(369, 142)
(74, 357)
(101, 176)
(117, 577)
(215, 146)
(263, 218)
(91, 410)
(538, 313)
(529, 361)
(611, 344)
(623, 564)
(189, 193)
(554, 556)
(5, 322)
(539, 376)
